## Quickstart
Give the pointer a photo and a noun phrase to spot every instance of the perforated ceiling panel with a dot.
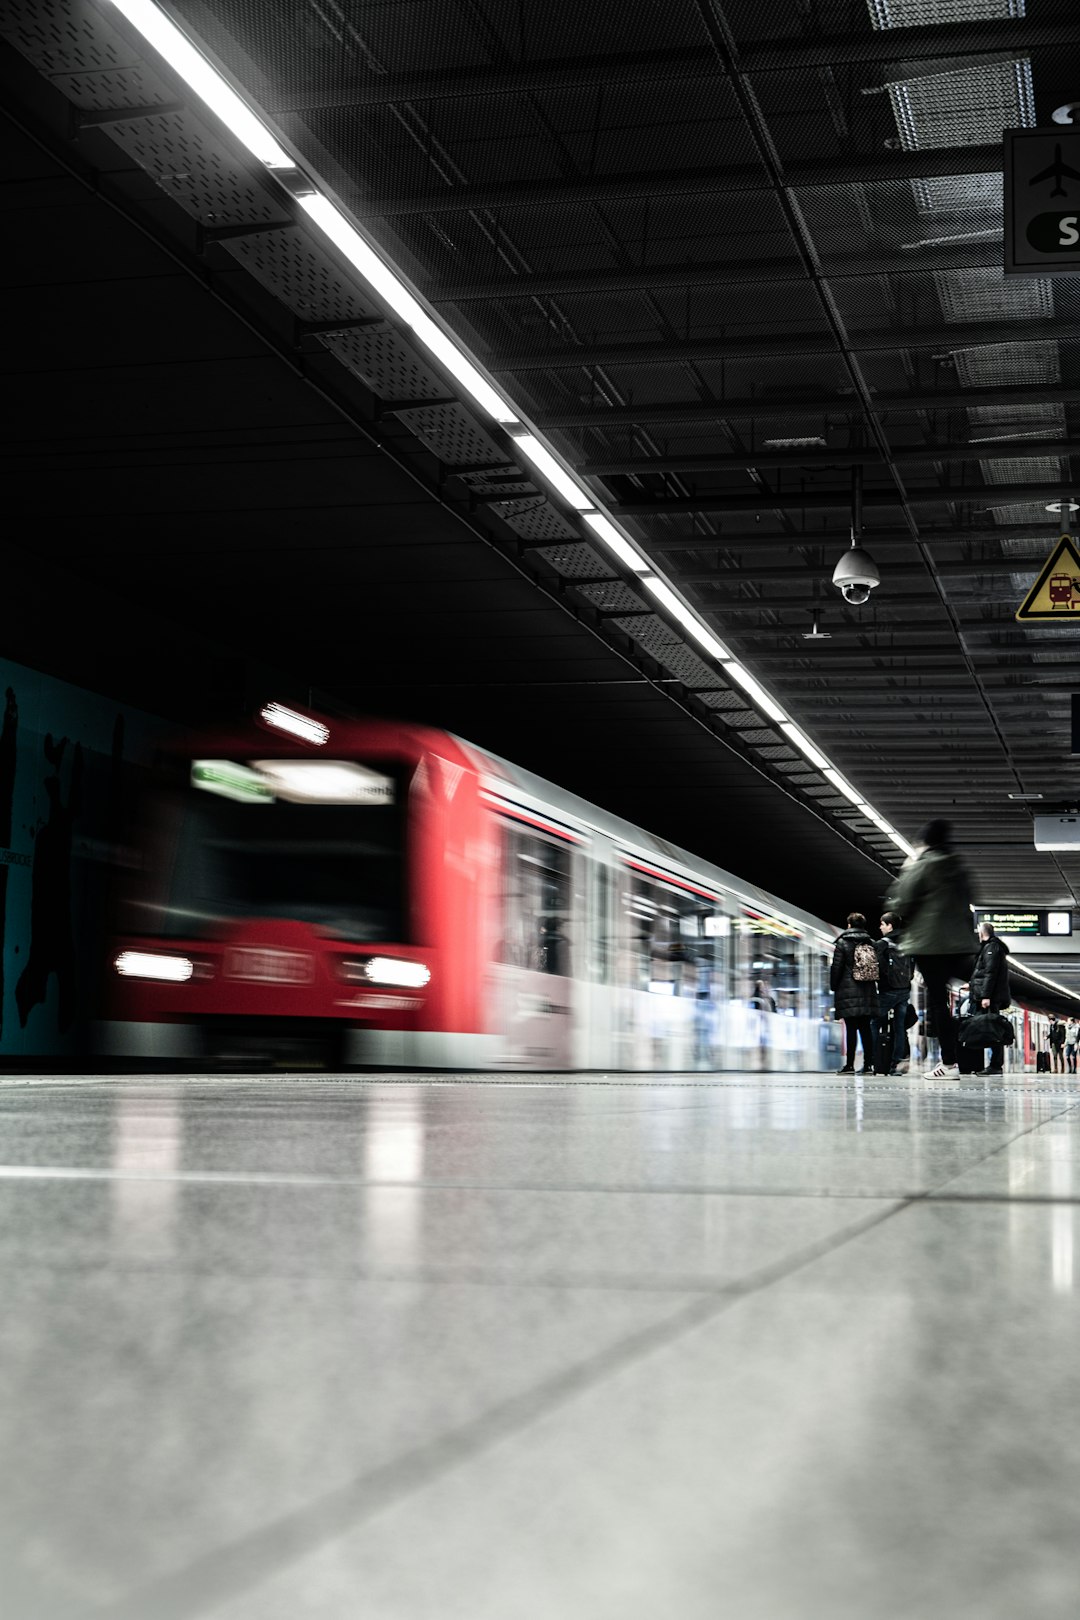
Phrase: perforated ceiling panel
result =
(307, 281)
(114, 88)
(189, 165)
(452, 434)
(575, 562)
(536, 519)
(612, 597)
(389, 367)
(63, 36)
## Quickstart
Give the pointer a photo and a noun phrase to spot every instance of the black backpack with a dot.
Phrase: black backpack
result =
(898, 970)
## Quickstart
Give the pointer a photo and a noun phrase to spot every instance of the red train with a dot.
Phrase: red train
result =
(369, 893)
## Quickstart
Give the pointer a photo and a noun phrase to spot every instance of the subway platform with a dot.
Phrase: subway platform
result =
(605, 1347)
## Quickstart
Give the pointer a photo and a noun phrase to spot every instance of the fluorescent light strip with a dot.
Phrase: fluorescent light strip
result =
(297, 725)
(606, 531)
(756, 691)
(685, 615)
(553, 472)
(207, 83)
(871, 815)
(392, 290)
(804, 745)
(842, 786)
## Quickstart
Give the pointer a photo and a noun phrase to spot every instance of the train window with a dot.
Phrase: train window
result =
(536, 905)
(674, 945)
(602, 943)
(338, 867)
(769, 971)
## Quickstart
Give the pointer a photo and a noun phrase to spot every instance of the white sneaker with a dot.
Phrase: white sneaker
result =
(944, 1071)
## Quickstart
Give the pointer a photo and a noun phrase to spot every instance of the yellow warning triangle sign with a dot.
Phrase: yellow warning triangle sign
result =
(1055, 596)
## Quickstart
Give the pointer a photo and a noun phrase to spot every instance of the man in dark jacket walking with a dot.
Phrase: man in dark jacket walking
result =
(932, 895)
(854, 981)
(990, 990)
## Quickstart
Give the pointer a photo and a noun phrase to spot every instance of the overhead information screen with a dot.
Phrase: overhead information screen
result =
(1027, 923)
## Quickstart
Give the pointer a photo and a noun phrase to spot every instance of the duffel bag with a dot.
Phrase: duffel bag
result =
(986, 1029)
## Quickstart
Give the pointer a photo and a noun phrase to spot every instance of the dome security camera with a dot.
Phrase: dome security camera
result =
(856, 575)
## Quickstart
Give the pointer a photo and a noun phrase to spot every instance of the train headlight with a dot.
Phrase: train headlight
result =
(388, 970)
(154, 965)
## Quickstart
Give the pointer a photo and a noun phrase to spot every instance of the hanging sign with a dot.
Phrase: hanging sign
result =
(1055, 596)
(1042, 201)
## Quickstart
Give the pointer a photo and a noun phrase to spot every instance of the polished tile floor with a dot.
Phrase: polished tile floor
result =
(540, 1348)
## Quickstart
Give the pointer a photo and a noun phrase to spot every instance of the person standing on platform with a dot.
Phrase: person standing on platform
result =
(894, 993)
(990, 990)
(854, 980)
(1056, 1037)
(933, 894)
(1072, 1036)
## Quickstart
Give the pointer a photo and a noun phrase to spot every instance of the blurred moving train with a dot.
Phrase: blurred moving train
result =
(363, 893)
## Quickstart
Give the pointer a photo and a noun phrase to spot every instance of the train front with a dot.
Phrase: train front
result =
(305, 894)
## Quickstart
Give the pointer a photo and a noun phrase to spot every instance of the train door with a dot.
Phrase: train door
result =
(539, 950)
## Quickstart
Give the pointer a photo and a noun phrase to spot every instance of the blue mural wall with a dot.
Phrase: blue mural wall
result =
(69, 765)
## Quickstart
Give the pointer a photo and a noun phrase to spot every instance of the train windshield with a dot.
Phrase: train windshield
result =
(330, 852)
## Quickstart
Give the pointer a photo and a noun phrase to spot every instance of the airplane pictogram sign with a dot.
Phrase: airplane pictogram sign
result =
(1055, 596)
(1042, 201)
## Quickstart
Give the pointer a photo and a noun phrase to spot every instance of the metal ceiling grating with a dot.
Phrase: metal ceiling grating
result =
(306, 280)
(64, 36)
(928, 13)
(177, 151)
(113, 88)
(576, 562)
(535, 519)
(391, 368)
(451, 433)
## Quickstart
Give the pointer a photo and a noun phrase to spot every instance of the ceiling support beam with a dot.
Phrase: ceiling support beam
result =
(652, 184)
(783, 346)
(819, 457)
(792, 404)
(653, 276)
(759, 544)
(871, 49)
(984, 496)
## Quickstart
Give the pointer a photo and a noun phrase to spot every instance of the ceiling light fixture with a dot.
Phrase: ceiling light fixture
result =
(842, 785)
(1024, 798)
(811, 441)
(553, 472)
(206, 81)
(394, 293)
(685, 616)
(756, 691)
(606, 531)
(302, 726)
(804, 745)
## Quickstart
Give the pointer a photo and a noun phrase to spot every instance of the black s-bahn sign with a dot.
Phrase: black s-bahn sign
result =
(1042, 201)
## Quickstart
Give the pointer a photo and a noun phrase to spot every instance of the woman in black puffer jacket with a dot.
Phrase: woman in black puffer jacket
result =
(856, 998)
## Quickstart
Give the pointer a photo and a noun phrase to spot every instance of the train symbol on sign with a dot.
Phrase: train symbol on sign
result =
(1057, 172)
(1064, 591)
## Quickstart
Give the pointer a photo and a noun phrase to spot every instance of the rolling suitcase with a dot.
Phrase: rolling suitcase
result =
(1042, 1063)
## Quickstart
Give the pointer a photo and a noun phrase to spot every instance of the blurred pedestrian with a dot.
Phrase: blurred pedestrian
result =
(1072, 1037)
(854, 981)
(990, 989)
(894, 993)
(933, 894)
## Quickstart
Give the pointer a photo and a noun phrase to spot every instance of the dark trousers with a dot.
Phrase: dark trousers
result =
(997, 1056)
(893, 1005)
(864, 1029)
(937, 971)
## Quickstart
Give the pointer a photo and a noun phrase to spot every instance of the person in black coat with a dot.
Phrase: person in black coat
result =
(856, 996)
(990, 989)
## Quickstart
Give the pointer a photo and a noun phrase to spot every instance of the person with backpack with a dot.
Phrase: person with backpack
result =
(933, 894)
(854, 981)
(894, 993)
(990, 989)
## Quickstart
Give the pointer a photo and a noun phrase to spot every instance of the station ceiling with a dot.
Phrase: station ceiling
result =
(724, 257)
